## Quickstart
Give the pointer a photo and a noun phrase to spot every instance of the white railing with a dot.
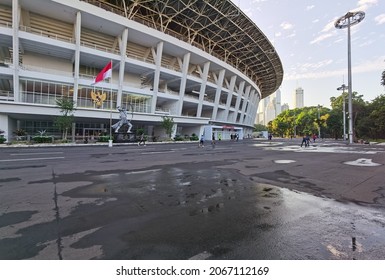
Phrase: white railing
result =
(6, 95)
(45, 70)
(98, 47)
(6, 24)
(46, 34)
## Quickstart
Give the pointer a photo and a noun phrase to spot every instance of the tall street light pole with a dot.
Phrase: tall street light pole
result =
(351, 18)
(343, 88)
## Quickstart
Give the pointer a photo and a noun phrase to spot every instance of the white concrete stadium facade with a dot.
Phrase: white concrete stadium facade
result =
(63, 44)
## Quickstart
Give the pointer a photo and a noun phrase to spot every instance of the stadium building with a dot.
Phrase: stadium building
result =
(203, 63)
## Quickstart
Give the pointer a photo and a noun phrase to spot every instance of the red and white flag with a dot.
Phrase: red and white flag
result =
(105, 73)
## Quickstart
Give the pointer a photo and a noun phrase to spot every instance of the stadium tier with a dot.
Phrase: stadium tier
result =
(204, 65)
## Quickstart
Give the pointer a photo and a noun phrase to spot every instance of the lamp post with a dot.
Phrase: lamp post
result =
(343, 88)
(351, 18)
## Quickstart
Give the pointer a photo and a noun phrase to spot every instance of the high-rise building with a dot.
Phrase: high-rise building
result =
(269, 108)
(278, 107)
(285, 107)
(298, 98)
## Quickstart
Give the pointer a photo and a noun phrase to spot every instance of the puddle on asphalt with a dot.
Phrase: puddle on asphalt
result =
(194, 210)
(297, 225)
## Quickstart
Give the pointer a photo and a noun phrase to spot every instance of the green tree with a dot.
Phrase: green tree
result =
(334, 124)
(64, 122)
(376, 117)
(259, 127)
(167, 124)
(383, 78)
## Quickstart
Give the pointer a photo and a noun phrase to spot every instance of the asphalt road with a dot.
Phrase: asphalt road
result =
(238, 200)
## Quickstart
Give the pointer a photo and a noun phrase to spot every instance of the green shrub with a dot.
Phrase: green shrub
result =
(194, 137)
(2, 139)
(178, 138)
(104, 138)
(42, 139)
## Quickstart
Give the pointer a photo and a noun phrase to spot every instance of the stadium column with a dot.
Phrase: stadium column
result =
(255, 107)
(15, 45)
(186, 63)
(122, 47)
(155, 86)
(249, 108)
(230, 96)
(247, 93)
(238, 102)
(218, 93)
(78, 24)
(204, 77)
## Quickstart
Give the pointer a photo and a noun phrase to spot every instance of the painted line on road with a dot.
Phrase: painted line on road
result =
(109, 175)
(25, 159)
(29, 154)
(142, 171)
(165, 152)
(201, 256)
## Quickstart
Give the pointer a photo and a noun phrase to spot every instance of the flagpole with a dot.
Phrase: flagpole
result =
(111, 105)
(102, 76)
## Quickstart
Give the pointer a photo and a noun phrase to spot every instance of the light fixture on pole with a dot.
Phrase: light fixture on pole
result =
(346, 21)
(343, 88)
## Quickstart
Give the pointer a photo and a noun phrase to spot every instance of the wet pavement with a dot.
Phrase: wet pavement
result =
(249, 200)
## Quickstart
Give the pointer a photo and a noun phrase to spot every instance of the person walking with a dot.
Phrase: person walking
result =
(213, 140)
(304, 141)
(314, 137)
(201, 142)
(142, 140)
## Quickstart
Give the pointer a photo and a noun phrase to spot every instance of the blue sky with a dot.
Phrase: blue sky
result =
(314, 53)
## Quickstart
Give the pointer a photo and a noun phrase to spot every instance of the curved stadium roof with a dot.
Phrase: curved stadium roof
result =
(216, 26)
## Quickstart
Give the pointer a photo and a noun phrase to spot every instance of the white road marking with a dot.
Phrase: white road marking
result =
(362, 162)
(320, 149)
(284, 161)
(29, 154)
(142, 171)
(109, 175)
(25, 159)
(201, 256)
(165, 152)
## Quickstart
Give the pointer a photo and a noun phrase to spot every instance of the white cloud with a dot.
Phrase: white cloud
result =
(376, 64)
(322, 37)
(287, 25)
(293, 34)
(308, 8)
(380, 19)
(366, 43)
(329, 26)
(327, 32)
(363, 5)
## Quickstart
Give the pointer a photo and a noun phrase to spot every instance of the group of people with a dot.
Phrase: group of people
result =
(202, 141)
(234, 136)
(306, 140)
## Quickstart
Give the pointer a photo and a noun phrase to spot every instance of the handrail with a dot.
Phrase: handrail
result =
(46, 34)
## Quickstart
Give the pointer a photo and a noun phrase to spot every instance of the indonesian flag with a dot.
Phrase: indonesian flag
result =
(105, 73)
